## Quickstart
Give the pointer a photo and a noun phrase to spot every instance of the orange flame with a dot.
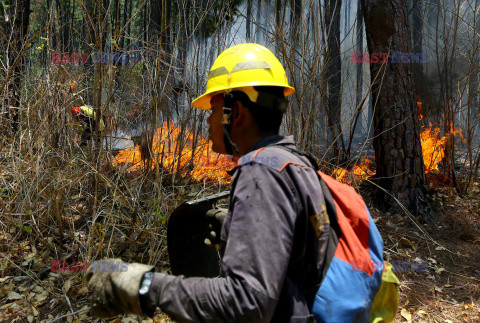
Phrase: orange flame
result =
(419, 105)
(433, 144)
(180, 151)
(433, 148)
(358, 172)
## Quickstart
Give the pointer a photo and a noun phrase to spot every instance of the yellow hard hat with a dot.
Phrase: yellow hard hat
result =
(242, 67)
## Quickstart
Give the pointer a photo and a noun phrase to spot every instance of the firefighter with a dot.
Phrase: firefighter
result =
(277, 245)
(87, 118)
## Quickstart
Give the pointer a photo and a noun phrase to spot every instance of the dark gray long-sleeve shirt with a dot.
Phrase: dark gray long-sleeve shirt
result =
(272, 255)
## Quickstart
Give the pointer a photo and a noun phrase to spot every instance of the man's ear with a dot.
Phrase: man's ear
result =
(237, 112)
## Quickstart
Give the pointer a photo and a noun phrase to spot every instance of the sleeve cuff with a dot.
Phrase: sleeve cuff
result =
(149, 301)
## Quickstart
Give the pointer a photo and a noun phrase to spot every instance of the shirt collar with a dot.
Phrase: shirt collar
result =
(272, 140)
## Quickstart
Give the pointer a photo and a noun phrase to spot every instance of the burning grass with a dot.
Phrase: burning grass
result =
(433, 151)
(179, 150)
(358, 173)
(189, 155)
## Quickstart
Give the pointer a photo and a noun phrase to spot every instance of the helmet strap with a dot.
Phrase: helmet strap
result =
(227, 124)
(229, 144)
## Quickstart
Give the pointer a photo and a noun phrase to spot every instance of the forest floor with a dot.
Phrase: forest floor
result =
(448, 248)
(437, 265)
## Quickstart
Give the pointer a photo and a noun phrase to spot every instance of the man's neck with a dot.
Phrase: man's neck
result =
(245, 145)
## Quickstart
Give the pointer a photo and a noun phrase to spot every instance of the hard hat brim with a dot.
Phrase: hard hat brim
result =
(203, 101)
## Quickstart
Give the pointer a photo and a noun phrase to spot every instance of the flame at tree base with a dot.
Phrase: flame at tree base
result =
(433, 151)
(433, 146)
(180, 151)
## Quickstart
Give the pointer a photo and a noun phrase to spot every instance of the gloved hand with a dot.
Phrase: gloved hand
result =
(215, 218)
(115, 286)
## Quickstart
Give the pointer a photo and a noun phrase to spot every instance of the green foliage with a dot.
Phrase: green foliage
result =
(154, 208)
(25, 227)
(223, 12)
(161, 217)
(3, 195)
(210, 26)
(5, 4)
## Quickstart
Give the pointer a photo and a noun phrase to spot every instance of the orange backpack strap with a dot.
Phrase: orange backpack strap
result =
(276, 157)
(357, 263)
(353, 220)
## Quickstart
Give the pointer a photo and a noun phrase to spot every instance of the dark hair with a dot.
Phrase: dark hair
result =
(269, 108)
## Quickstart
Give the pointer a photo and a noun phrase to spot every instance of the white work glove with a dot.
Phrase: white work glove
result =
(114, 285)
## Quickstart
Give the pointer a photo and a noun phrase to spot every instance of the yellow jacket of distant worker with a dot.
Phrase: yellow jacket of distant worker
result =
(89, 118)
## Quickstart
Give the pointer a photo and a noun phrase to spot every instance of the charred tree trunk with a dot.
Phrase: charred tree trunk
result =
(333, 77)
(398, 152)
(18, 25)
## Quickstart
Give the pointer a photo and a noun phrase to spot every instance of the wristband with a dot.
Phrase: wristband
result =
(145, 284)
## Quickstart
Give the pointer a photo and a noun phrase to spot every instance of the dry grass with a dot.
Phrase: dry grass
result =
(450, 290)
(71, 204)
(49, 211)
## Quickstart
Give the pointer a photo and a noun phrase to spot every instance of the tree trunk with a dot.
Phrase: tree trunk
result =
(130, 5)
(155, 19)
(249, 21)
(258, 30)
(398, 152)
(64, 13)
(18, 24)
(279, 31)
(333, 77)
(88, 18)
(445, 51)
(359, 88)
(295, 20)
(417, 39)
(346, 17)
(67, 29)
(474, 78)
(356, 126)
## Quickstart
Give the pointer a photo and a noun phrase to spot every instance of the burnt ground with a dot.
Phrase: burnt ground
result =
(449, 291)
